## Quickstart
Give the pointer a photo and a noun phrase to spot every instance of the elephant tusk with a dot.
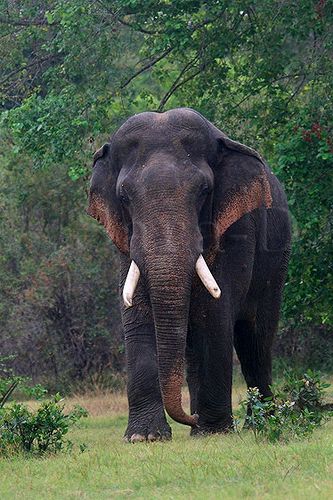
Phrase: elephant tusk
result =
(130, 285)
(207, 278)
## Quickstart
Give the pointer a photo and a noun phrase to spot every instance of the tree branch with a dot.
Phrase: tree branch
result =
(178, 82)
(270, 82)
(126, 23)
(297, 89)
(137, 28)
(204, 23)
(33, 63)
(146, 67)
(23, 22)
(14, 32)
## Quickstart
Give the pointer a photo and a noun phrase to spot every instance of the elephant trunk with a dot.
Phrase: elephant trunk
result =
(170, 288)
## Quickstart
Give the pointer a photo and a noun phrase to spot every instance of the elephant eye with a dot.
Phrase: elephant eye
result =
(204, 190)
(123, 196)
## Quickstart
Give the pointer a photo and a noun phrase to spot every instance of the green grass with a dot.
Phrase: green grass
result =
(215, 467)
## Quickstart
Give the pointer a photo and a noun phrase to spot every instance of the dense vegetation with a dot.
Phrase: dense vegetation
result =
(71, 72)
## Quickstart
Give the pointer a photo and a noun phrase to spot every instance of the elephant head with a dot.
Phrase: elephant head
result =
(166, 188)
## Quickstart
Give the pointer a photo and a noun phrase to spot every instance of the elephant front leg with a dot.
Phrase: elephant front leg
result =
(147, 419)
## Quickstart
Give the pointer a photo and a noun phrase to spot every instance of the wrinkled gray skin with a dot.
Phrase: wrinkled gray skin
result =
(167, 188)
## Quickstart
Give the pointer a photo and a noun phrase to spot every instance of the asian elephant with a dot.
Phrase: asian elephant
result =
(203, 233)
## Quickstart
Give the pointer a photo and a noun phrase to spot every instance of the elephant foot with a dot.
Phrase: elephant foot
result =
(206, 429)
(148, 429)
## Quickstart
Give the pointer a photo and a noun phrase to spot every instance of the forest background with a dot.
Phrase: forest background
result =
(70, 73)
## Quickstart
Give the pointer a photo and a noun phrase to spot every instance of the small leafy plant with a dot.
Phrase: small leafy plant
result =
(25, 430)
(295, 410)
(307, 392)
(40, 431)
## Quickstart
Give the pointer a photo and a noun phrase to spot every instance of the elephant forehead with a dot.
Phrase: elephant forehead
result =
(161, 173)
(145, 145)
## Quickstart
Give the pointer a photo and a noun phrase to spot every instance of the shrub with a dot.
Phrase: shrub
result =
(295, 410)
(306, 392)
(40, 431)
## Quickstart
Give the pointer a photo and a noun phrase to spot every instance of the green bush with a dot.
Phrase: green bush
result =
(40, 431)
(295, 410)
(24, 430)
(306, 392)
(304, 156)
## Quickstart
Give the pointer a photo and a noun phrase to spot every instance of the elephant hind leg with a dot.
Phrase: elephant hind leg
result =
(253, 347)
(253, 336)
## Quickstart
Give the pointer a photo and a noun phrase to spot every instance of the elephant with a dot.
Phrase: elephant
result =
(202, 229)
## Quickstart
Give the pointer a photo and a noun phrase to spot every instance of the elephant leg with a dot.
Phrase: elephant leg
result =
(253, 340)
(214, 394)
(147, 419)
(253, 344)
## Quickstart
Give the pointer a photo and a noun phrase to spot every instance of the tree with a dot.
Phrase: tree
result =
(71, 72)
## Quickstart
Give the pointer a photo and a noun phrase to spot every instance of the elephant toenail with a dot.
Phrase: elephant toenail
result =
(137, 438)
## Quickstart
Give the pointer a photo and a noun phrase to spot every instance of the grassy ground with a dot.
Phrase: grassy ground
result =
(190, 468)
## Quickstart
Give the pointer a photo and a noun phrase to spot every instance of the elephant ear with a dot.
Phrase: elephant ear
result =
(103, 203)
(241, 183)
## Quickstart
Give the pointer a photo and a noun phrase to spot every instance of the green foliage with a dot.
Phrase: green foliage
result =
(58, 300)
(71, 72)
(41, 431)
(304, 160)
(295, 410)
(306, 392)
(25, 430)
(304, 344)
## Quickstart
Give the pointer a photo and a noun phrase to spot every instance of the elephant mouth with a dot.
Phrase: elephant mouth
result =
(201, 268)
